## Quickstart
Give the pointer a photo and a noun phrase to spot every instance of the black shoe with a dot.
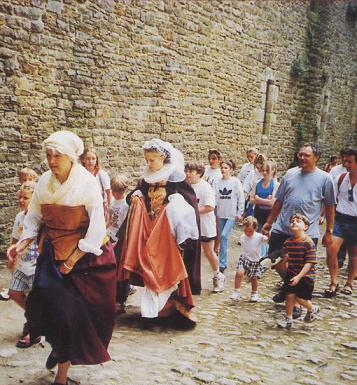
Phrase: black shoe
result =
(51, 361)
(280, 297)
(297, 311)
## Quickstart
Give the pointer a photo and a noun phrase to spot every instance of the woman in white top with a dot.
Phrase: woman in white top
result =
(72, 302)
(90, 160)
(206, 201)
(230, 206)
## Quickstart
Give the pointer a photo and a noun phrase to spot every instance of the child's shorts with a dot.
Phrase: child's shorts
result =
(302, 290)
(251, 269)
(21, 282)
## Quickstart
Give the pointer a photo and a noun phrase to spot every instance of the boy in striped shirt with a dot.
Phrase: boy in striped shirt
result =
(300, 252)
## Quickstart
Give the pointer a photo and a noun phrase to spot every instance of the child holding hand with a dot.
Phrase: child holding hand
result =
(248, 263)
(300, 252)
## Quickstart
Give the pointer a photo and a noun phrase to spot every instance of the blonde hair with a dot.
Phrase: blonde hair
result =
(28, 172)
(119, 182)
(271, 166)
(252, 150)
(260, 159)
(27, 187)
(93, 151)
(250, 221)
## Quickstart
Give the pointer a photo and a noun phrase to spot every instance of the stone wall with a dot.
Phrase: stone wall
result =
(192, 72)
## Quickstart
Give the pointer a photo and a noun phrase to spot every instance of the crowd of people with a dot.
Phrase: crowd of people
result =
(81, 242)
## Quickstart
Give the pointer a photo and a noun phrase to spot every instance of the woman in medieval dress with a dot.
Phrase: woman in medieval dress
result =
(158, 244)
(73, 299)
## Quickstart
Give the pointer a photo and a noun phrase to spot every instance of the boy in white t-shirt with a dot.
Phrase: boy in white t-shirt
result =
(118, 207)
(206, 203)
(248, 263)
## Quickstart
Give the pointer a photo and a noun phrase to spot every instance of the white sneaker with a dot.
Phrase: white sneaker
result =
(285, 323)
(218, 282)
(236, 295)
(254, 297)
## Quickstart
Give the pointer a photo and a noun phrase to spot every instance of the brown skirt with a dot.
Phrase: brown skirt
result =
(75, 312)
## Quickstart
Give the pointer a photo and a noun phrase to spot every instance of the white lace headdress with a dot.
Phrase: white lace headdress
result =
(173, 169)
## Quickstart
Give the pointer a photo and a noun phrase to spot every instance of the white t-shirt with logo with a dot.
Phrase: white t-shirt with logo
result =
(251, 246)
(117, 213)
(206, 197)
(212, 175)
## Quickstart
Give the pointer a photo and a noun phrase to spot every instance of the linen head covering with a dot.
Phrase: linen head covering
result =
(65, 142)
(174, 167)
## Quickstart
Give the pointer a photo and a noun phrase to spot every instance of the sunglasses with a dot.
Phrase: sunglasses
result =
(350, 194)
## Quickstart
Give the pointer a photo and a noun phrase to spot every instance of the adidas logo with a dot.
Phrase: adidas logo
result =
(225, 194)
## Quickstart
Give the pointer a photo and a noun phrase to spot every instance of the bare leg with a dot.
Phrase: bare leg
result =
(238, 278)
(62, 372)
(208, 251)
(352, 265)
(289, 304)
(331, 259)
(307, 304)
(19, 297)
(254, 281)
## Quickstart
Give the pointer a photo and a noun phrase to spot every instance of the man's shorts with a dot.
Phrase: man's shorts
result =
(302, 290)
(347, 231)
(20, 281)
(251, 269)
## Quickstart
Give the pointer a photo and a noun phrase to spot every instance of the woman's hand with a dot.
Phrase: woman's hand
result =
(65, 268)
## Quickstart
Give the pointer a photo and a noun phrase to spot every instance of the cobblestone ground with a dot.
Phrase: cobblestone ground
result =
(233, 343)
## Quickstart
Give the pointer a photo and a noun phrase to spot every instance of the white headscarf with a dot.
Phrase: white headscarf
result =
(65, 142)
(174, 167)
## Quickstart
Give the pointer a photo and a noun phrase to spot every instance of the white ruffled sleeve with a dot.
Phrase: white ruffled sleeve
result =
(182, 218)
(93, 239)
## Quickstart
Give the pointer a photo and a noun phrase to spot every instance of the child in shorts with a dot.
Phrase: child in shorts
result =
(300, 252)
(23, 269)
(248, 263)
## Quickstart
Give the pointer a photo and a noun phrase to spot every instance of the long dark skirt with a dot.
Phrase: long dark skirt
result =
(75, 312)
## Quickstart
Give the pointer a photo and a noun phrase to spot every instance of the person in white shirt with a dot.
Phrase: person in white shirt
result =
(206, 204)
(248, 263)
(336, 171)
(90, 160)
(230, 207)
(345, 226)
(249, 166)
(118, 209)
(212, 172)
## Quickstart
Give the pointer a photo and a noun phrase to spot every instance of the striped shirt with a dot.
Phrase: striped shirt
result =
(300, 252)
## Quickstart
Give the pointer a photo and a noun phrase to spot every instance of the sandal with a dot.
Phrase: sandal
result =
(331, 291)
(25, 343)
(347, 290)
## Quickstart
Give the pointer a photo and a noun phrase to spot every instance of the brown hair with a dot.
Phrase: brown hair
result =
(214, 151)
(271, 165)
(250, 221)
(260, 159)
(229, 163)
(119, 182)
(93, 151)
(300, 216)
(194, 166)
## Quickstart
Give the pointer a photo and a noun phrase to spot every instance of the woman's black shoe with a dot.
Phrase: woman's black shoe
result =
(51, 361)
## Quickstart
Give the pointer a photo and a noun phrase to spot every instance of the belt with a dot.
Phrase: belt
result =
(344, 218)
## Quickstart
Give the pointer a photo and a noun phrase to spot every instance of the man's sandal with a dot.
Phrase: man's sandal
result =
(331, 291)
(24, 343)
(347, 290)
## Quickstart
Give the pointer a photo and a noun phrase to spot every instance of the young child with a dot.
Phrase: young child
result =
(206, 204)
(27, 175)
(24, 268)
(300, 252)
(118, 208)
(248, 263)
(230, 206)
